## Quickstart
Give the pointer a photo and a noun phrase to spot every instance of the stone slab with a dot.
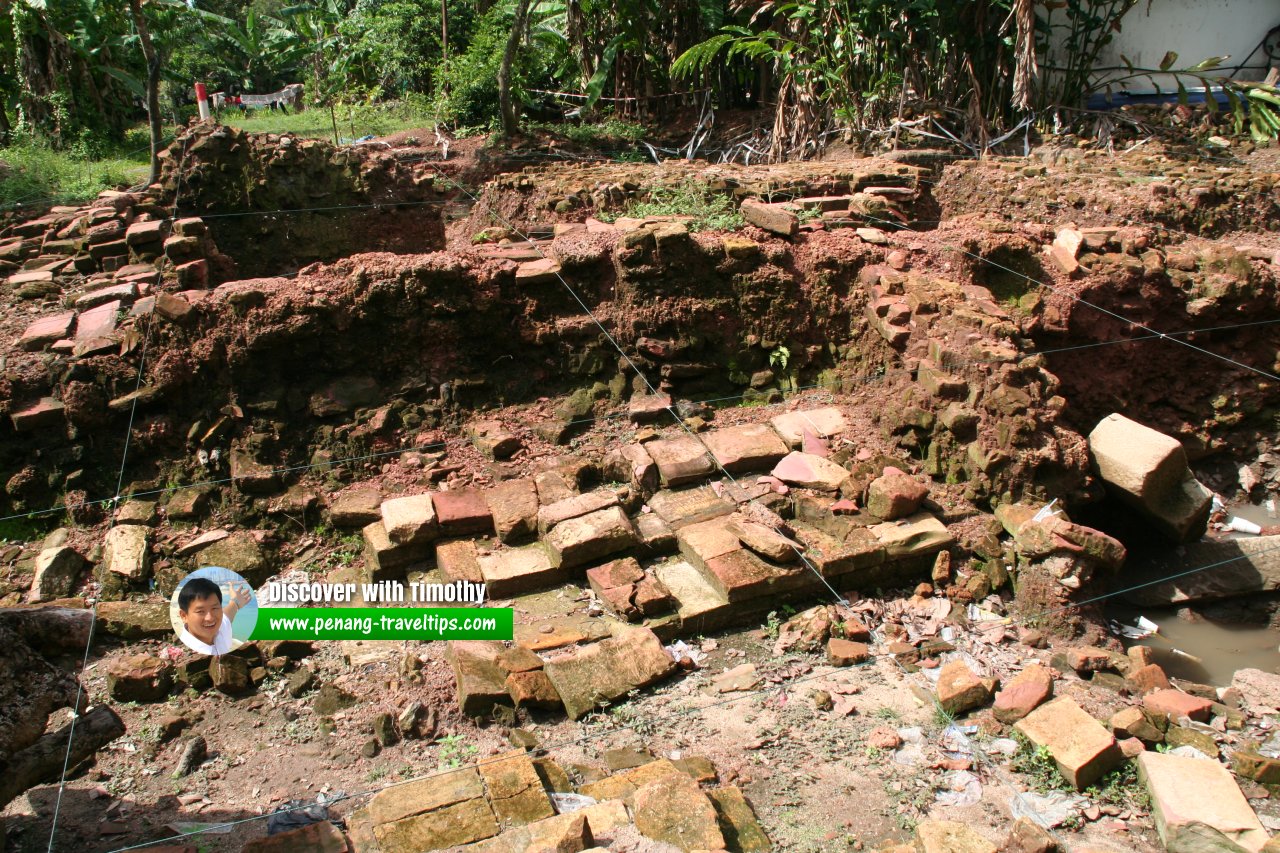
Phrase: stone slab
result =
(1241, 567)
(514, 507)
(681, 461)
(594, 536)
(604, 671)
(462, 512)
(1148, 469)
(515, 790)
(574, 507)
(825, 423)
(47, 330)
(1080, 745)
(749, 447)
(914, 536)
(410, 520)
(1190, 795)
(808, 471)
(480, 681)
(511, 571)
(681, 507)
(126, 551)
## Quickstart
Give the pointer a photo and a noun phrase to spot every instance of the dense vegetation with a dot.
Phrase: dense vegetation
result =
(74, 73)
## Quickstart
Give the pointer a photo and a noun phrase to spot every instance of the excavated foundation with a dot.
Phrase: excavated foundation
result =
(877, 383)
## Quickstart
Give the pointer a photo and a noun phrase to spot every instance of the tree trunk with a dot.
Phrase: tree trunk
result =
(153, 86)
(510, 121)
(444, 40)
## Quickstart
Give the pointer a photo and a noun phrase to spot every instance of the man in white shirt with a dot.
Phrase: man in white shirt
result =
(207, 625)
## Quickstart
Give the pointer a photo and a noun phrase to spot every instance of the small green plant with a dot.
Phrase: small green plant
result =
(772, 625)
(376, 774)
(1121, 787)
(708, 210)
(942, 717)
(1035, 763)
(454, 751)
(780, 357)
(890, 715)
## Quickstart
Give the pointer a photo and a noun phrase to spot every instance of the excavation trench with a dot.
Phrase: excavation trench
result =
(320, 332)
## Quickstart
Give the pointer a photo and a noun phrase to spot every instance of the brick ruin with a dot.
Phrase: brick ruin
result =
(900, 415)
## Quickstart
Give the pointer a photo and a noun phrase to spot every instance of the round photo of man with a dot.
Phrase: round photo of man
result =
(213, 611)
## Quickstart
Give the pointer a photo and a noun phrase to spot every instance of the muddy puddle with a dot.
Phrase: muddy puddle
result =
(1205, 650)
(1211, 644)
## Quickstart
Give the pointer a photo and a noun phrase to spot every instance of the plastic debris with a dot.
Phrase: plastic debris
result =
(1048, 810)
(296, 814)
(1243, 525)
(1046, 512)
(566, 803)
(680, 649)
(911, 753)
(959, 788)
(977, 614)
(1144, 628)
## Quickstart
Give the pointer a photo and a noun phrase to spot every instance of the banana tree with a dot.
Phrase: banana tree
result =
(263, 51)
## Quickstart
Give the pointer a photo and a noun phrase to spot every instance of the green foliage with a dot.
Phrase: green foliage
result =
(37, 173)
(780, 357)
(772, 625)
(610, 133)
(710, 211)
(1037, 765)
(455, 751)
(1121, 787)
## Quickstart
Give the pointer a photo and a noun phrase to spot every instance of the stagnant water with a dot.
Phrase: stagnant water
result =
(1207, 649)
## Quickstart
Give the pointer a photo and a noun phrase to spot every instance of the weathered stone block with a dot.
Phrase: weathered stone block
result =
(481, 682)
(1149, 470)
(750, 447)
(681, 460)
(515, 790)
(1083, 750)
(514, 507)
(511, 571)
(1023, 693)
(1197, 805)
(603, 671)
(960, 689)
(590, 537)
(807, 471)
(675, 811)
(462, 512)
(410, 520)
(126, 551)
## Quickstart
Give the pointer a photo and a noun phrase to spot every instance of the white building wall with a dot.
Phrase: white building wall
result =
(1195, 30)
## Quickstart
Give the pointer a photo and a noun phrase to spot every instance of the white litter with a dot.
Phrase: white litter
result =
(566, 803)
(960, 788)
(1145, 628)
(1047, 511)
(1048, 810)
(680, 649)
(1243, 525)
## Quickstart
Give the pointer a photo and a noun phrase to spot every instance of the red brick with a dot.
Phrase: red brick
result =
(462, 512)
(1175, 704)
